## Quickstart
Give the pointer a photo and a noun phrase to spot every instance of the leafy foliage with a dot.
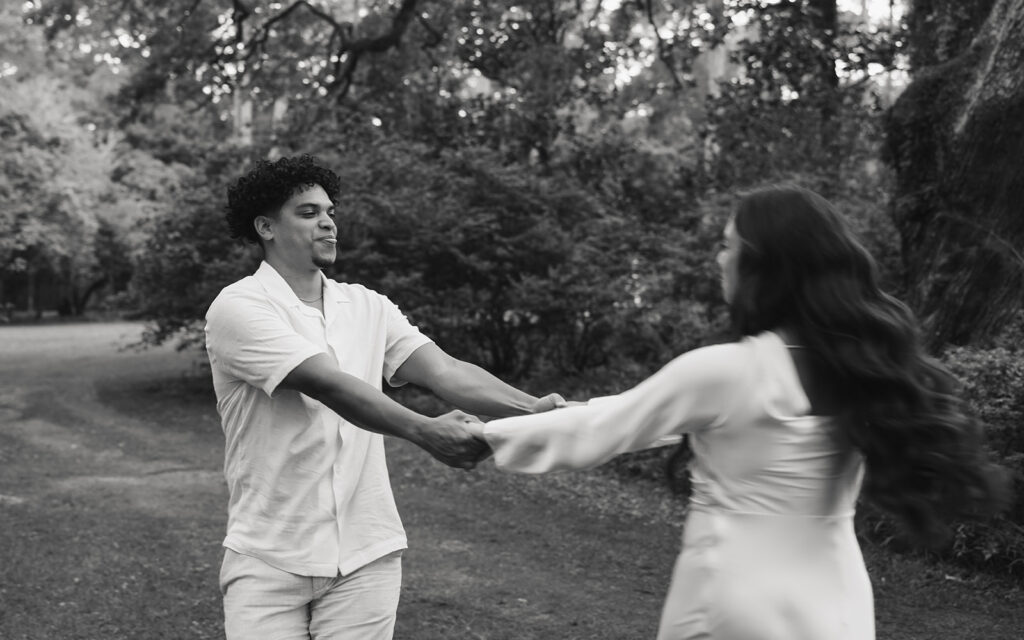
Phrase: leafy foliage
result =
(504, 267)
(65, 218)
(992, 382)
(187, 256)
(44, 228)
(519, 273)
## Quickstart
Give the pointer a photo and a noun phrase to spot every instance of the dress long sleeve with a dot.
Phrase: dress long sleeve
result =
(690, 393)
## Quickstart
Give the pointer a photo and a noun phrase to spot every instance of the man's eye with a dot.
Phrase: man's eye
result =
(331, 213)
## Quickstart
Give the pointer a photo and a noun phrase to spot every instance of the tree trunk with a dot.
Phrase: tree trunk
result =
(30, 291)
(82, 301)
(956, 140)
(825, 19)
(940, 30)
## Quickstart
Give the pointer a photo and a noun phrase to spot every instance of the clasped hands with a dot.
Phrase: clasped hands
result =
(457, 438)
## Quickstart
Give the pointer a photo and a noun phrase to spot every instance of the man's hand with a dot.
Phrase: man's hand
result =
(549, 402)
(456, 439)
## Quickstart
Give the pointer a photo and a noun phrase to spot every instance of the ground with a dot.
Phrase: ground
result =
(112, 510)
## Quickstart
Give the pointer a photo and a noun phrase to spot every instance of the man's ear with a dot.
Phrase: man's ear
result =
(264, 227)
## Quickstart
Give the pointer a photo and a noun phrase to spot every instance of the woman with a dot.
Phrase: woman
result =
(829, 385)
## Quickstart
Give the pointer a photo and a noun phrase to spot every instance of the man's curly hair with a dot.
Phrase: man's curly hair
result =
(269, 185)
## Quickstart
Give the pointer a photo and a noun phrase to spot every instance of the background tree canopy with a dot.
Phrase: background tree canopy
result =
(570, 145)
(541, 184)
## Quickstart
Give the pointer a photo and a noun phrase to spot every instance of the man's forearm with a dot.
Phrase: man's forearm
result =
(454, 438)
(476, 391)
(367, 407)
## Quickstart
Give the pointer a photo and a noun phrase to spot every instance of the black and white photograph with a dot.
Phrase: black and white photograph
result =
(512, 320)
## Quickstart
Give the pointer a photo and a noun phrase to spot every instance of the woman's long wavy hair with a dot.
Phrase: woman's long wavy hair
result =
(801, 267)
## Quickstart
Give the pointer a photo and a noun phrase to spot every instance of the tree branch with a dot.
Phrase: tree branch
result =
(350, 52)
(390, 38)
(341, 45)
(188, 12)
(239, 13)
(436, 37)
(259, 38)
(664, 49)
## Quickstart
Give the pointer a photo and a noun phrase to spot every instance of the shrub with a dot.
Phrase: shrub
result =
(993, 386)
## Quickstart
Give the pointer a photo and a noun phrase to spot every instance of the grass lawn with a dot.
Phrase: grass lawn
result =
(112, 509)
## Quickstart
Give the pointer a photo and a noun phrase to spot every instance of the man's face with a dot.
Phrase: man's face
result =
(303, 233)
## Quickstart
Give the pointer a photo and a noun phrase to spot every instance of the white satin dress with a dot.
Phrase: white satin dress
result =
(769, 551)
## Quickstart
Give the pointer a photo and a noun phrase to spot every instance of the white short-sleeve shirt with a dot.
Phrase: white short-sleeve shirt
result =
(309, 493)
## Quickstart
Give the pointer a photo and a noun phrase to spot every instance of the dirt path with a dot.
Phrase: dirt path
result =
(112, 512)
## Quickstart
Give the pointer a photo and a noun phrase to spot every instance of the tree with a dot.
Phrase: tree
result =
(523, 273)
(804, 97)
(956, 140)
(562, 136)
(59, 183)
(75, 184)
(187, 256)
(31, 215)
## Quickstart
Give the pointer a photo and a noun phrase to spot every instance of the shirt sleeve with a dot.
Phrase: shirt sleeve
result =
(691, 393)
(402, 339)
(249, 340)
(664, 441)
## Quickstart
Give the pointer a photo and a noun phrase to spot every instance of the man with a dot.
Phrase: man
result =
(314, 539)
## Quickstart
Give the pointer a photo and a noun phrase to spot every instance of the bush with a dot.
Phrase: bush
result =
(187, 257)
(993, 386)
(993, 382)
(599, 263)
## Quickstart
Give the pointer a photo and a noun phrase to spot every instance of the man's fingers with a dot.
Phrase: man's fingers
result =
(457, 440)
(549, 402)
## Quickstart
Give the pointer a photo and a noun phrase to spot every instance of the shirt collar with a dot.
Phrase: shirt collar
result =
(278, 288)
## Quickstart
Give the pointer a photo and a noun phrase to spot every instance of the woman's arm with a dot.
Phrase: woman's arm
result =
(691, 393)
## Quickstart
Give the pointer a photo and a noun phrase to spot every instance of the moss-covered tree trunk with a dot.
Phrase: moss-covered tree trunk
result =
(956, 140)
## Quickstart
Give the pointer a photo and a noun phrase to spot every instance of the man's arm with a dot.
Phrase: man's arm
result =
(454, 438)
(469, 387)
